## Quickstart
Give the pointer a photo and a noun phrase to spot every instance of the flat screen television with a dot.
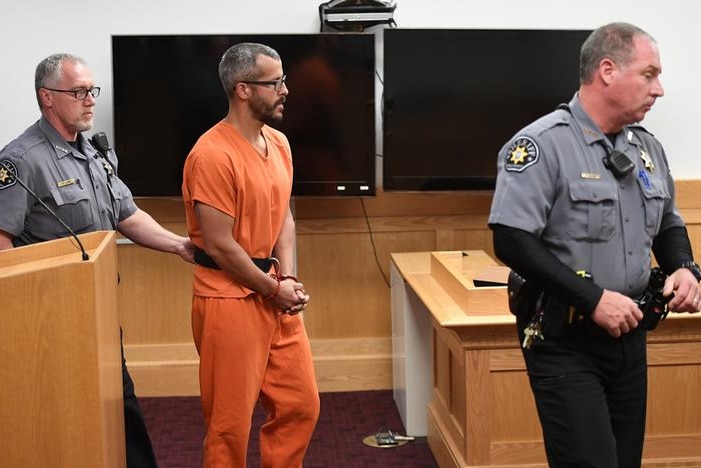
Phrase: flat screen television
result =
(167, 93)
(452, 98)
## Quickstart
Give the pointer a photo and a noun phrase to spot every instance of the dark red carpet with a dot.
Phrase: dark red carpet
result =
(176, 428)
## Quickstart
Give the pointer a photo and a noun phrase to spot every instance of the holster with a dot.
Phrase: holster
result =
(522, 295)
(555, 317)
(652, 303)
(526, 300)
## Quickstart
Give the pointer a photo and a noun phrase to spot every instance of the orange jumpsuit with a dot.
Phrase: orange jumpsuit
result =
(247, 350)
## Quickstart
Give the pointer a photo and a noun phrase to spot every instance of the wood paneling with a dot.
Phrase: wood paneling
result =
(155, 293)
(343, 260)
(61, 403)
(482, 412)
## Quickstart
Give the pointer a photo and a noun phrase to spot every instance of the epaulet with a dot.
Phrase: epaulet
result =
(20, 149)
(554, 119)
(638, 127)
(523, 150)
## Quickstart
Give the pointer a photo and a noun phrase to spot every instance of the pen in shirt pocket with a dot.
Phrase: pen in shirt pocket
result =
(642, 174)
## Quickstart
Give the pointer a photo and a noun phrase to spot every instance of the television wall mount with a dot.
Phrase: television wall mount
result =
(356, 15)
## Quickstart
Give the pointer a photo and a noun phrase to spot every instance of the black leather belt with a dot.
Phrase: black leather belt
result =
(202, 259)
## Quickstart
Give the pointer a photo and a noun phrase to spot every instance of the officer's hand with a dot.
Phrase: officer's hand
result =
(685, 288)
(186, 249)
(616, 313)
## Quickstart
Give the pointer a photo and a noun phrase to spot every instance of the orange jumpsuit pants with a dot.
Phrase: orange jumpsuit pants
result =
(249, 351)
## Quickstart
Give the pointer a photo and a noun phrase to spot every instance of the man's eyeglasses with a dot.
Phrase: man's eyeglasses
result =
(80, 94)
(276, 84)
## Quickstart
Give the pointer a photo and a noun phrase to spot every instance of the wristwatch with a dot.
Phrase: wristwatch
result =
(693, 268)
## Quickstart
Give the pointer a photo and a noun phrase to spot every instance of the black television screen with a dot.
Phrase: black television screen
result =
(167, 93)
(452, 98)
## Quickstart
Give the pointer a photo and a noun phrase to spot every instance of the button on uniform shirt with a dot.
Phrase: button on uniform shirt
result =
(552, 183)
(81, 186)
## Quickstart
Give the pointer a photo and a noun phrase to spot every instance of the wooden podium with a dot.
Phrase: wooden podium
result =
(60, 362)
(478, 406)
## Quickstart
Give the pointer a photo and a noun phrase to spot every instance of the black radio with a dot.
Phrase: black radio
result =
(652, 303)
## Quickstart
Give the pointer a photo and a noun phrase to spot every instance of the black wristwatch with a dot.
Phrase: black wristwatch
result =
(693, 268)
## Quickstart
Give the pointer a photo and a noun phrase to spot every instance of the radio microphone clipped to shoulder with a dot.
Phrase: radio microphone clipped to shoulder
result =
(618, 163)
(101, 143)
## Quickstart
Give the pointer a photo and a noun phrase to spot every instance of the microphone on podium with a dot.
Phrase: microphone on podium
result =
(12, 176)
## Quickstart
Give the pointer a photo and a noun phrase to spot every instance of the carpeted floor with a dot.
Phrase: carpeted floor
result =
(176, 428)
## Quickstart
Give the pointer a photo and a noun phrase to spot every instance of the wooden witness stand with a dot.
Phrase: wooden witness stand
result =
(60, 361)
(480, 409)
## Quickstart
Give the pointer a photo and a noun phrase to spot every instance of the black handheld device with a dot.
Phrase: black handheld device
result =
(618, 163)
(652, 303)
(101, 143)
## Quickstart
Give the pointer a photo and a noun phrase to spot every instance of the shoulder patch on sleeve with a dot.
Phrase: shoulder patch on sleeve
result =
(8, 174)
(522, 153)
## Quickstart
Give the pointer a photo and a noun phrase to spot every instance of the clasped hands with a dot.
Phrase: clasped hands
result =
(291, 298)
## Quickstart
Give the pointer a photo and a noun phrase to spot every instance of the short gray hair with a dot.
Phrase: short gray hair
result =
(50, 70)
(239, 64)
(613, 41)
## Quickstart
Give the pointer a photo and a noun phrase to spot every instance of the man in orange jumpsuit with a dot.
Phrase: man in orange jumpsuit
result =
(252, 343)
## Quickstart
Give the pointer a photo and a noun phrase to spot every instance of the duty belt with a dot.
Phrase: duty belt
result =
(202, 259)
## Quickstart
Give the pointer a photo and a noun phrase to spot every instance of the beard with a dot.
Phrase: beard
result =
(265, 112)
(83, 125)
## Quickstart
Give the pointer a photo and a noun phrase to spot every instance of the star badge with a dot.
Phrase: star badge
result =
(649, 165)
(518, 155)
(522, 153)
(8, 174)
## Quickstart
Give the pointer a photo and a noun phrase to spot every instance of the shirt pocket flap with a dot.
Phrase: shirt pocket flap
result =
(653, 189)
(69, 195)
(593, 191)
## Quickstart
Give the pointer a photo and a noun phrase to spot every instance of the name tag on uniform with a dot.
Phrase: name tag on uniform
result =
(589, 175)
(66, 182)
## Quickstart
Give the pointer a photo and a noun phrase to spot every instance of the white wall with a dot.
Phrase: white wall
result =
(33, 29)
